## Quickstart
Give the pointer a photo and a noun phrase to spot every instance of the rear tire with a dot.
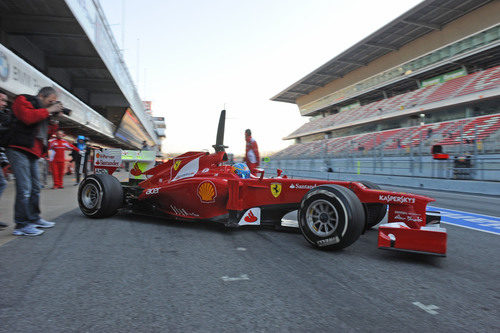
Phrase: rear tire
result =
(375, 212)
(100, 195)
(331, 217)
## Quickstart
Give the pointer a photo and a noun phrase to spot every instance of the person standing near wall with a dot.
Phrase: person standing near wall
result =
(252, 157)
(59, 146)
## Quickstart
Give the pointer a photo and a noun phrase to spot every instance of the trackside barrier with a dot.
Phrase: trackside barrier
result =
(483, 175)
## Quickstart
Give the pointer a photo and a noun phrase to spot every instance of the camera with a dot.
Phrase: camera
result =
(66, 111)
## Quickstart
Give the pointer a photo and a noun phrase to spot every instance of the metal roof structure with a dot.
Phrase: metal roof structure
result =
(422, 19)
(51, 27)
(47, 35)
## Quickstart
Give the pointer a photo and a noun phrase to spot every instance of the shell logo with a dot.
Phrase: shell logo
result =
(97, 155)
(207, 192)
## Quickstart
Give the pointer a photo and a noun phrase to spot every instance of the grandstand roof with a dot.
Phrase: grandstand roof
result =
(422, 19)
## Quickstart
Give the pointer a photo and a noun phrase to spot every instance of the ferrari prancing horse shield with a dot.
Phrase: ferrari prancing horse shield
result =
(276, 189)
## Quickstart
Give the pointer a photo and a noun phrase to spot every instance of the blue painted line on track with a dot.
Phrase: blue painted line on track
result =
(485, 223)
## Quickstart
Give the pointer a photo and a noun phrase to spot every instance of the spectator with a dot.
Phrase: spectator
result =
(252, 157)
(3, 159)
(145, 145)
(32, 128)
(80, 157)
(59, 146)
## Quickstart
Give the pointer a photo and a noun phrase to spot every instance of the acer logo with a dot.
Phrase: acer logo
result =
(150, 191)
(250, 217)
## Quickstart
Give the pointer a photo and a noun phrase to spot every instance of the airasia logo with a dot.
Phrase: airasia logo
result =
(397, 199)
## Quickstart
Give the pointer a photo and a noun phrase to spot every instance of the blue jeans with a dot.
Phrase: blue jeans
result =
(3, 182)
(25, 168)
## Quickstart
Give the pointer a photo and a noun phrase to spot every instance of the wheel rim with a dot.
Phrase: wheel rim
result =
(90, 196)
(322, 218)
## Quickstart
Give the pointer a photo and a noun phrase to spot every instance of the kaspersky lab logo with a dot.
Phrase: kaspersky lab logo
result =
(4, 67)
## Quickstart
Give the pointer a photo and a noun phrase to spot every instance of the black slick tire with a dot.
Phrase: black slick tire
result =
(100, 195)
(331, 217)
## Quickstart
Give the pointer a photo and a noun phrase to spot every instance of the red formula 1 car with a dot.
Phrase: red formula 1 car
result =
(331, 214)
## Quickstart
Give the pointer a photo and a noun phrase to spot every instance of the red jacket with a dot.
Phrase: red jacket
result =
(28, 115)
(60, 146)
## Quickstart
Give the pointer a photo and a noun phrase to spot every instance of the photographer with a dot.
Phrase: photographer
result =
(34, 122)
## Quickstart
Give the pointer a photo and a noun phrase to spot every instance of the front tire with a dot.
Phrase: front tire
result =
(331, 217)
(100, 196)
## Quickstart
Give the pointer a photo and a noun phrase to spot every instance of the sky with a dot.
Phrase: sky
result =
(193, 58)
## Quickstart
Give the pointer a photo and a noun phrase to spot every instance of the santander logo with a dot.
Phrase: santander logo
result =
(250, 217)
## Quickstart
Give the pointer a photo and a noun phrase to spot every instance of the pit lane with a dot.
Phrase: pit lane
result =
(133, 272)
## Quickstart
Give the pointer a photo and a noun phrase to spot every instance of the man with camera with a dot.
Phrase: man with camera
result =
(33, 124)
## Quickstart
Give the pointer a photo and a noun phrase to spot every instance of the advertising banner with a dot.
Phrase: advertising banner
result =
(107, 160)
(443, 78)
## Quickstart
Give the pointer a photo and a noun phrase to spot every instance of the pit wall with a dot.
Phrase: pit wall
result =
(483, 177)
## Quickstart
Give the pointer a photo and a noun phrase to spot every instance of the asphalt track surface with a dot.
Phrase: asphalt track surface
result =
(136, 273)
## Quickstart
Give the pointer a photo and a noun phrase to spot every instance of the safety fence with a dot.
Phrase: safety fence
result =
(460, 166)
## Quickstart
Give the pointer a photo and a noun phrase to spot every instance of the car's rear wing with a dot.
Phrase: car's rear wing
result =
(137, 162)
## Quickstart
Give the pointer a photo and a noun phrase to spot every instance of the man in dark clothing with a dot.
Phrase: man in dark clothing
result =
(80, 157)
(32, 129)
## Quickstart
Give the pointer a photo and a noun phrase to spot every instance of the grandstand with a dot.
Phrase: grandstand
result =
(429, 77)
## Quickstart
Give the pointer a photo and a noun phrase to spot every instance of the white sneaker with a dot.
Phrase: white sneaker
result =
(28, 230)
(41, 223)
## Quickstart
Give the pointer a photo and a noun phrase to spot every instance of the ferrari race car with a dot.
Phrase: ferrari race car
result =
(199, 186)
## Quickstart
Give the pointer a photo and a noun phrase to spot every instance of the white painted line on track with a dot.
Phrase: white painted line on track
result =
(241, 249)
(231, 279)
(427, 308)
(479, 222)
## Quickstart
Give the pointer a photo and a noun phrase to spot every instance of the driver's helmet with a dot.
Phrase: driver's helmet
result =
(241, 170)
